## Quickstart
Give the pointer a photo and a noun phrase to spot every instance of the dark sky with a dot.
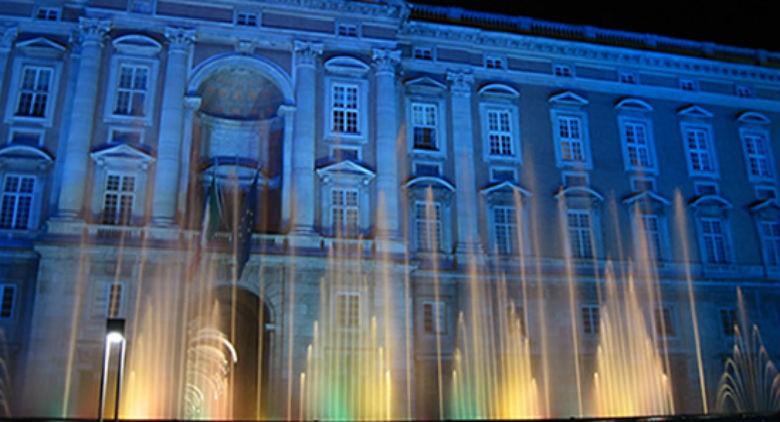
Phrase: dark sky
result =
(745, 23)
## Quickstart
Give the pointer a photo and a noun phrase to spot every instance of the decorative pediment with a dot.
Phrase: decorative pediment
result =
(567, 98)
(41, 46)
(695, 111)
(505, 187)
(499, 89)
(710, 200)
(645, 197)
(122, 155)
(425, 83)
(633, 104)
(24, 156)
(345, 169)
(579, 192)
(429, 181)
(136, 44)
(346, 65)
(765, 205)
(752, 117)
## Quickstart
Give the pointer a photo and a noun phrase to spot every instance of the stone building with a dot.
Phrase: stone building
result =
(440, 146)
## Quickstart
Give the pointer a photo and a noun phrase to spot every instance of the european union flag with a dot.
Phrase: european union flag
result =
(245, 228)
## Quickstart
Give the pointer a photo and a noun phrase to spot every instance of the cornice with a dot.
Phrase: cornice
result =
(395, 10)
(517, 44)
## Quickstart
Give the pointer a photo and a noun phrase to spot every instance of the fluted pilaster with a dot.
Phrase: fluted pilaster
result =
(171, 126)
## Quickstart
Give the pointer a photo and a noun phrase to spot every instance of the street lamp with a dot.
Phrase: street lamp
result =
(115, 335)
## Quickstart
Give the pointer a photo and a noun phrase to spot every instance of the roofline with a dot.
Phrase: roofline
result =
(590, 34)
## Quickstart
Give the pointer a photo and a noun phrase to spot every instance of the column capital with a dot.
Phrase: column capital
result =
(179, 39)
(385, 60)
(92, 31)
(286, 110)
(192, 102)
(460, 82)
(306, 53)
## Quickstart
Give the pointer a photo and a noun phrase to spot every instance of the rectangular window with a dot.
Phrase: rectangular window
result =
(563, 70)
(495, 62)
(743, 91)
(505, 228)
(424, 122)
(118, 199)
(348, 310)
(341, 154)
(34, 91)
(637, 144)
(426, 169)
(651, 227)
(728, 320)
(715, 243)
(642, 184)
(126, 136)
(345, 212)
(580, 234)
(499, 131)
(700, 157)
(766, 192)
(7, 300)
(114, 300)
(428, 226)
(770, 234)
(688, 85)
(628, 78)
(32, 138)
(434, 318)
(590, 319)
(246, 19)
(47, 14)
(345, 109)
(131, 90)
(705, 188)
(17, 202)
(571, 139)
(663, 322)
(347, 30)
(502, 175)
(757, 154)
(422, 53)
(575, 179)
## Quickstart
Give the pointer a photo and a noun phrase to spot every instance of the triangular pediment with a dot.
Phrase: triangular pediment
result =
(121, 154)
(505, 186)
(429, 181)
(345, 168)
(765, 205)
(346, 65)
(137, 44)
(40, 46)
(567, 98)
(646, 196)
(695, 112)
(425, 82)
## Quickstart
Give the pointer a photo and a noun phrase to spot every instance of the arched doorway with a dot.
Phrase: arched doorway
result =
(245, 319)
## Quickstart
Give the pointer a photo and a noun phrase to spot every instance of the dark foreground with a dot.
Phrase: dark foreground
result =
(775, 417)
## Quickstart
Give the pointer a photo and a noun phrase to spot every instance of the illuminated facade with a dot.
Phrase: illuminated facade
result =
(426, 138)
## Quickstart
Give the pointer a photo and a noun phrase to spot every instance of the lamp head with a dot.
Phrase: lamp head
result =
(115, 330)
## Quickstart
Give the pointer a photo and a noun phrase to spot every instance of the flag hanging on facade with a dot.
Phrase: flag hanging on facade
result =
(246, 227)
(209, 225)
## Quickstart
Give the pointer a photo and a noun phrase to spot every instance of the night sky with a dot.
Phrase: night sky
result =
(744, 23)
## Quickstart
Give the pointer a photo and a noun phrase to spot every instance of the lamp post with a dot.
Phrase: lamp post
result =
(115, 335)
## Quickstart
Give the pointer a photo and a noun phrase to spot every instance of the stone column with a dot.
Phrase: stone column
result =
(171, 119)
(463, 153)
(8, 35)
(286, 112)
(74, 175)
(302, 198)
(387, 130)
(191, 106)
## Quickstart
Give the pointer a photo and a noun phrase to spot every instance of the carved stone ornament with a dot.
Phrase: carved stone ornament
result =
(460, 82)
(92, 31)
(179, 38)
(306, 53)
(386, 60)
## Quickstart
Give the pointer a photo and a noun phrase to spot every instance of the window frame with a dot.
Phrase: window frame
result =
(35, 201)
(48, 10)
(685, 126)
(438, 315)
(441, 128)
(131, 219)
(593, 317)
(492, 105)
(37, 130)
(766, 244)
(495, 62)
(425, 125)
(764, 135)
(728, 253)
(15, 89)
(626, 119)
(249, 13)
(592, 230)
(341, 228)
(14, 300)
(582, 116)
(123, 59)
(360, 324)
(431, 56)
(362, 110)
(638, 226)
(120, 310)
(516, 233)
(439, 210)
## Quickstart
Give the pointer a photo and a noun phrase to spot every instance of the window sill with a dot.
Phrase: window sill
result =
(128, 119)
(346, 138)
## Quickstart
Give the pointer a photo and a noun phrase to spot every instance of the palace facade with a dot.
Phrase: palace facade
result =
(438, 145)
